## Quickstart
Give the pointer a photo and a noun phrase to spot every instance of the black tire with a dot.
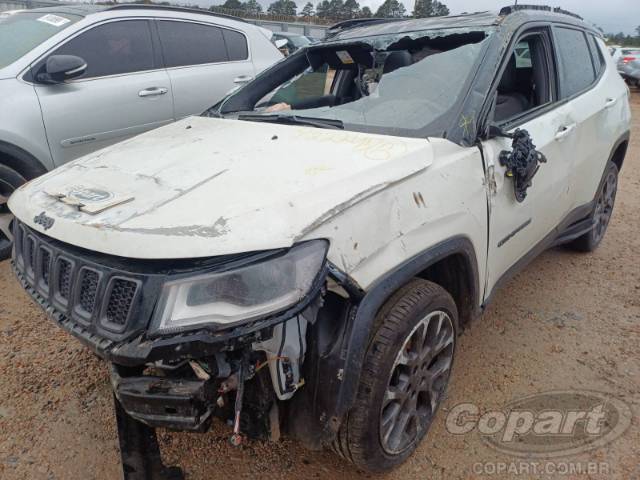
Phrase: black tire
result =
(605, 202)
(9, 181)
(373, 436)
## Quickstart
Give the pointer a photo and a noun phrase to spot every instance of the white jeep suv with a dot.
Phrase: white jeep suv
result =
(300, 259)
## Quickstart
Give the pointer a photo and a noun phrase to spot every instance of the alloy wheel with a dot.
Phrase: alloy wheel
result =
(604, 206)
(6, 237)
(417, 383)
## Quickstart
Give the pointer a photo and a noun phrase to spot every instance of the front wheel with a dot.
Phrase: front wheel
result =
(404, 377)
(605, 202)
(9, 181)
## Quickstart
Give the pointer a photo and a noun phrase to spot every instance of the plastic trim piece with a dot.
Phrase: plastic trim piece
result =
(359, 331)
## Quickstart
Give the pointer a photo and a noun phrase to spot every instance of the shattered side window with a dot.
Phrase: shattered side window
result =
(400, 83)
(308, 85)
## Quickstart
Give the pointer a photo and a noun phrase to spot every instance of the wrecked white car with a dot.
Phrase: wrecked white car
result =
(300, 259)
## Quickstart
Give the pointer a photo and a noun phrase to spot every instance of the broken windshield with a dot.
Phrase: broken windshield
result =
(398, 86)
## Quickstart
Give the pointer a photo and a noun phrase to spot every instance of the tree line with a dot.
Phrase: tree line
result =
(624, 40)
(342, 9)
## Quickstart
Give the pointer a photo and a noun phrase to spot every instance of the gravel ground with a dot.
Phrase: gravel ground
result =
(569, 321)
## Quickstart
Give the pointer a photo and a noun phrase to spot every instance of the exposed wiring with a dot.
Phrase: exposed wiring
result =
(261, 365)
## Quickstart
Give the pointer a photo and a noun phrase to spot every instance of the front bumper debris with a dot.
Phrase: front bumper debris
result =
(140, 451)
(180, 381)
(172, 403)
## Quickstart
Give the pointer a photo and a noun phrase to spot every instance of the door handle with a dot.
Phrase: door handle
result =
(152, 91)
(610, 102)
(243, 79)
(564, 132)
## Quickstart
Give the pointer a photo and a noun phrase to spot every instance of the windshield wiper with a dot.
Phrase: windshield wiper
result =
(295, 120)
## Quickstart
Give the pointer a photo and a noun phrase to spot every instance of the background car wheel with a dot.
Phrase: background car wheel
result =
(404, 377)
(602, 214)
(9, 181)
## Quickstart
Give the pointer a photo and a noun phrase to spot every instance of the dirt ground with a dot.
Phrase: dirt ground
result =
(569, 321)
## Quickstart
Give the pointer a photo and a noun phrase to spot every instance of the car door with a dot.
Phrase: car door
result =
(595, 97)
(204, 62)
(124, 91)
(527, 99)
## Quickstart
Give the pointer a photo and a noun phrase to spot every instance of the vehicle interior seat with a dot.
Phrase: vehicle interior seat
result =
(397, 59)
(510, 101)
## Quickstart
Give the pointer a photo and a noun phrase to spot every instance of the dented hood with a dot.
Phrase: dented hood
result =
(203, 187)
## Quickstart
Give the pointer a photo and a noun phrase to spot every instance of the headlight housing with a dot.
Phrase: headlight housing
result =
(222, 299)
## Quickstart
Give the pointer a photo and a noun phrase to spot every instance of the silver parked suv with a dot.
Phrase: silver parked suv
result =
(76, 79)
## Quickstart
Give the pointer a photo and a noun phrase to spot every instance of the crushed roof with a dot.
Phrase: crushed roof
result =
(479, 20)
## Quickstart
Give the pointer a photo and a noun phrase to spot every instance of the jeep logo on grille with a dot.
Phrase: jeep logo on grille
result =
(42, 219)
(87, 194)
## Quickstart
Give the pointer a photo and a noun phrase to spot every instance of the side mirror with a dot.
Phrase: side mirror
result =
(281, 43)
(60, 68)
(495, 131)
(522, 162)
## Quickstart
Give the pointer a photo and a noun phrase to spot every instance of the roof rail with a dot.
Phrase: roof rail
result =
(544, 8)
(356, 22)
(138, 6)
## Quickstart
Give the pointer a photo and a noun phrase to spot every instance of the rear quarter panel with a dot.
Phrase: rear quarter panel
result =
(601, 128)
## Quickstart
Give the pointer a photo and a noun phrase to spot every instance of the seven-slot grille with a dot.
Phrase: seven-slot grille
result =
(85, 292)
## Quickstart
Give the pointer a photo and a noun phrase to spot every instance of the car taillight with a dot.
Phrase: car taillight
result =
(629, 59)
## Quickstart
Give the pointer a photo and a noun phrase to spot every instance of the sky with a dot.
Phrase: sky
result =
(612, 15)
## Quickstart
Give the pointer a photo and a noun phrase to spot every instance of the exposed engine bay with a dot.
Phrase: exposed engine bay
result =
(242, 388)
(255, 387)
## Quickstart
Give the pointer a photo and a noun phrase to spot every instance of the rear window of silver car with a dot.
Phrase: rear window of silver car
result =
(21, 32)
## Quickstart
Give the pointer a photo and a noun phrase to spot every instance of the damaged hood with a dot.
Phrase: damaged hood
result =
(203, 187)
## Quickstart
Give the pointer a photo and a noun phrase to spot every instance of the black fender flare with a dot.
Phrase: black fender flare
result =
(21, 161)
(358, 334)
(624, 138)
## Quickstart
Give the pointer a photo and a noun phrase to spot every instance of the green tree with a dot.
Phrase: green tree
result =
(322, 9)
(623, 39)
(336, 9)
(430, 8)
(252, 6)
(391, 9)
(351, 9)
(232, 5)
(366, 12)
(308, 10)
(283, 7)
